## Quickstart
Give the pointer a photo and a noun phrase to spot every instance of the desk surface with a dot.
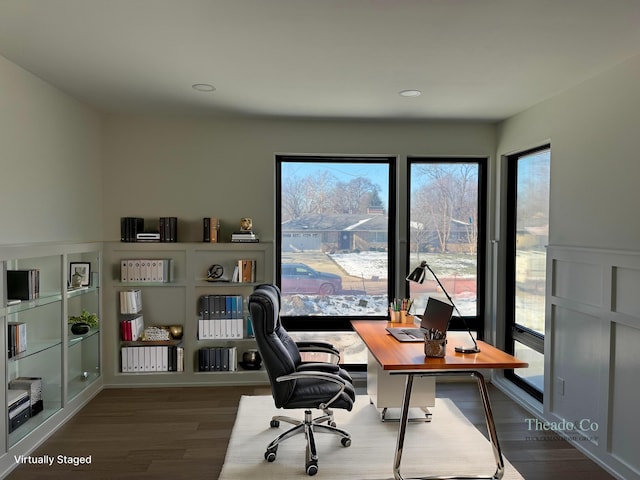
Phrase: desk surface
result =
(394, 355)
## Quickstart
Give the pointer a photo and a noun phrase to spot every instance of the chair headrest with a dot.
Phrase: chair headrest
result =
(268, 296)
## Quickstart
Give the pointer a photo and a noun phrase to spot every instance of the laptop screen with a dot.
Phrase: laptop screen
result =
(436, 315)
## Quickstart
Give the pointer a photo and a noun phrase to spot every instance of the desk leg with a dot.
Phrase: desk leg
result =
(491, 427)
(404, 418)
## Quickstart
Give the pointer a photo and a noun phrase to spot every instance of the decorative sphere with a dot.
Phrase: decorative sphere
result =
(176, 331)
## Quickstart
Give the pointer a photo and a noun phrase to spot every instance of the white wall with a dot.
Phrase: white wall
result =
(50, 164)
(592, 313)
(595, 170)
(192, 168)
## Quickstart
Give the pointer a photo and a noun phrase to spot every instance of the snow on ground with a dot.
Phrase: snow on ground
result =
(371, 265)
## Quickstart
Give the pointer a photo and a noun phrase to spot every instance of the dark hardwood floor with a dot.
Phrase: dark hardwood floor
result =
(176, 433)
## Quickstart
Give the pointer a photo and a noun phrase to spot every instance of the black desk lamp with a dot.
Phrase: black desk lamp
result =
(418, 276)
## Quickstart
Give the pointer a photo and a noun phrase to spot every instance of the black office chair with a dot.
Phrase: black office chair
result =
(296, 384)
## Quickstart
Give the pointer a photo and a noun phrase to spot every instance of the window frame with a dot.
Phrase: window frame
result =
(514, 332)
(332, 322)
(465, 322)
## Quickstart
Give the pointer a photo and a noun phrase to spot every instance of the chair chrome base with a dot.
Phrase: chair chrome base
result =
(322, 424)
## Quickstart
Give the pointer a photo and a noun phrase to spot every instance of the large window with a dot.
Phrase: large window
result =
(528, 175)
(335, 240)
(447, 230)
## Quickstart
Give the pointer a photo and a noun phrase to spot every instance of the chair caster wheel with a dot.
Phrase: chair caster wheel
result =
(270, 455)
(333, 424)
(312, 469)
(274, 423)
(346, 442)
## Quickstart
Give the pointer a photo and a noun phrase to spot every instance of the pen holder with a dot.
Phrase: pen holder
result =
(400, 316)
(435, 348)
(406, 317)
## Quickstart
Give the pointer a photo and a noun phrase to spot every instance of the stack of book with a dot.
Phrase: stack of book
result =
(23, 284)
(244, 236)
(132, 322)
(168, 227)
(18, 408)
(210, 229)
(217, 359)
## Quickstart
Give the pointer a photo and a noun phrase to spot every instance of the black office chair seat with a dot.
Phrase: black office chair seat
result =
(296, 384)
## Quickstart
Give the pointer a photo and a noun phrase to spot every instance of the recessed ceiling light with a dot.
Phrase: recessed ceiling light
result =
(203, 87)
(410, 93)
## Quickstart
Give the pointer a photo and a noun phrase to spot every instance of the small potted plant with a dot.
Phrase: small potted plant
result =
(80, 324)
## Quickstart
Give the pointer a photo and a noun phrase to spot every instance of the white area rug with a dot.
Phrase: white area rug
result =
(448, 445)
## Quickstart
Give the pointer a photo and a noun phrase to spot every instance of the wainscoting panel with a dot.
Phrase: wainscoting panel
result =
(578, 282)
(625, 289)
(623, 425)
(580, 358)
(592, 355)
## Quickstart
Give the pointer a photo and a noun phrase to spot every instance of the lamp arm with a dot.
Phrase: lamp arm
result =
(475, 344)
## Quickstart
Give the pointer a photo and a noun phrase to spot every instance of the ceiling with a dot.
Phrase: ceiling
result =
(472, 59)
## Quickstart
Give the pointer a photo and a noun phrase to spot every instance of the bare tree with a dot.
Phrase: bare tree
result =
(354, 196)
(446, 203)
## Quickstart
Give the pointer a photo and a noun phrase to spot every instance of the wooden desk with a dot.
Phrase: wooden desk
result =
(409, 359)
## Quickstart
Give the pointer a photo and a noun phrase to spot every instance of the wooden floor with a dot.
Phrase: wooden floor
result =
(182, 433)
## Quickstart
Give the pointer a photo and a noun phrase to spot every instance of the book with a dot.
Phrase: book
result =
(246, 271)
(23, 284)
(145, 270)
(17, 338)
(130, 227)
(244, 236)
(210, 229)
(168, 229)
(130, 301)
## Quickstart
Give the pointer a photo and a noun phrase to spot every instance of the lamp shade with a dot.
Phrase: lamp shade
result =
(418, 275)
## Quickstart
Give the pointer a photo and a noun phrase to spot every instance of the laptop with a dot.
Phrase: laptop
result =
(436, 317)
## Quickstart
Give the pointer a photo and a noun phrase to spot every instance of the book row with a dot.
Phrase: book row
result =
(145, 270)
(16, 338)
(210, 229)
(131, 329)
(217, 359)
(130, 301)
(222, 328)
(220, 306)
(153, 358)
(244, 272)
(132, 230)
(23, 284)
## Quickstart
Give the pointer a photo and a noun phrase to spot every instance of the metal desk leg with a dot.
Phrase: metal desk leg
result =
(404, 417)
(484, 395)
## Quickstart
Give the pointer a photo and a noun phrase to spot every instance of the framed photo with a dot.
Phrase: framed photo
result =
(83, 269)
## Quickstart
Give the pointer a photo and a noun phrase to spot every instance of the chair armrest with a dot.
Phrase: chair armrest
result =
(312, 349)
(321, 367)
(317, 346)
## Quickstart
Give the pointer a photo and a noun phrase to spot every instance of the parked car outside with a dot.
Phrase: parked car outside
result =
(301, 278)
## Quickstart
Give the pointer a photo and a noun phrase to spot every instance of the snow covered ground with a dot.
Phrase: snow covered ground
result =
(371, 265)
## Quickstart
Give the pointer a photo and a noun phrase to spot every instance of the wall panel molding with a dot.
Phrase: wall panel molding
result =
(592, 355)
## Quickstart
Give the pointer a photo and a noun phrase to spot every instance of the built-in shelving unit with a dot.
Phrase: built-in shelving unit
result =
(65, 367)
(176, 302)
